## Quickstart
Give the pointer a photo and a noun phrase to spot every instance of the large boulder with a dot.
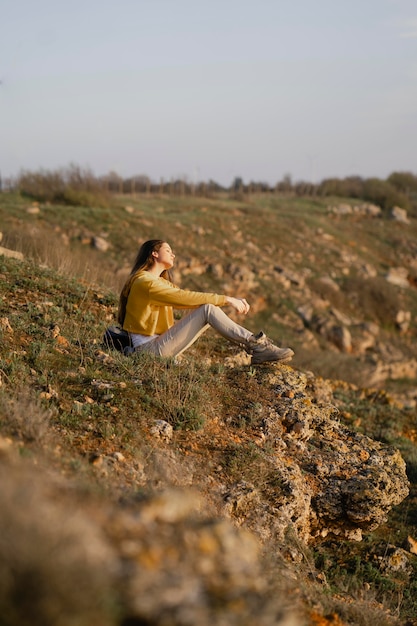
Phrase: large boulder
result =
(322, 479)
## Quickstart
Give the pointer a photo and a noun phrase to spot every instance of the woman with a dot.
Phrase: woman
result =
(146, 311)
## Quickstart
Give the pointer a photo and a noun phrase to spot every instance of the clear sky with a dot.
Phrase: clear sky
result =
(210, 88)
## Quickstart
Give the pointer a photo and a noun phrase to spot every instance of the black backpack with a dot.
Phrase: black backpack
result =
(118, 339)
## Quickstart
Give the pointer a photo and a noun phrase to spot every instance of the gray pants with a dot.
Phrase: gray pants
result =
(185, 332)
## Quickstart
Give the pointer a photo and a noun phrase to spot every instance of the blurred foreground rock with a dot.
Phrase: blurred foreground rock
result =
(66, 560)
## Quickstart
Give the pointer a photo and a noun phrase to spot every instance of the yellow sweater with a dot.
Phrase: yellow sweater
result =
(150, 302)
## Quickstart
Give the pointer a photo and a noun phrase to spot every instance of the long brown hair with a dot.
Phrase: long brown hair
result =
(144, 261)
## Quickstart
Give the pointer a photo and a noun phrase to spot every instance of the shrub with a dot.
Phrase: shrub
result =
(22, 416)
(72, 186)
(384, 194)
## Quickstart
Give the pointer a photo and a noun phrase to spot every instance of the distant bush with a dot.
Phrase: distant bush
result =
(350, 187)
(405, 183)
(385, 193)
(72, 185)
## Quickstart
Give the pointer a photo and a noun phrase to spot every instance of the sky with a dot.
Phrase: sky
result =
(209, 89)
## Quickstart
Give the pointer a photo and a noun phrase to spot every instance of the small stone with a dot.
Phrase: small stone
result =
(399, 215)
(398, 276)
(162, 430)
(33, 210)
(5, 325)
(12, 254)
(411, 545)
(101, 244)
(61, 341)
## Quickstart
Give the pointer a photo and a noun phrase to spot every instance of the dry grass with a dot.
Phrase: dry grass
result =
(22, 416)
(63, 405)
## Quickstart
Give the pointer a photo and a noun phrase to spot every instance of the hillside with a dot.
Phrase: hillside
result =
(141, 491)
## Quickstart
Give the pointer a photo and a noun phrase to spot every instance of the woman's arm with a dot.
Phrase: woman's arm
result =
(162, 293)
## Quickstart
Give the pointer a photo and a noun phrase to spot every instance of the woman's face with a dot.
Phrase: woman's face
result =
(164, 256)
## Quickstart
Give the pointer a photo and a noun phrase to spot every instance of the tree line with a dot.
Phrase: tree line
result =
(79, 186)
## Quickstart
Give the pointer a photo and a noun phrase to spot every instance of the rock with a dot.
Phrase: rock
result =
(162, 430)
(33, 210)
(190, 265)
(399, 215)
(198, 230)
(62, 548)
(5, 325)
(396, 560)
(411, 545)
(181, 568)
(379, 371)
(330, 324)
(13, 254)
(62, 341)
(402, 320)
(294, 277)
(323, 479)
(242, 275)
(238, 359)
(341, 317)
(340, 336)
(6, 448)
(398, 276)
(341, 209)
(363, 336)
(99, 243)
(326, 236)
(366, 209)
(329, 282)
(216, 269)
(367, 271)
(370, 209)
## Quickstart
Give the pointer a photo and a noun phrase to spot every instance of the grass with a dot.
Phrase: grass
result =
(72, 406)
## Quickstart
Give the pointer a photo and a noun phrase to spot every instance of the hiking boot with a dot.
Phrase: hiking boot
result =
(263, 350)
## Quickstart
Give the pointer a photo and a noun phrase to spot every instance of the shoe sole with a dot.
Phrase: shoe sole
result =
(283, 359)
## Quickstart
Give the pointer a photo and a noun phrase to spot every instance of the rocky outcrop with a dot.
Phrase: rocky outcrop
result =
(185, 568)
(160, 560)
(377, 370)
(327, 480)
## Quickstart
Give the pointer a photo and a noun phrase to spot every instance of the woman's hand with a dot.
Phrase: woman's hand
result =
(239, 304)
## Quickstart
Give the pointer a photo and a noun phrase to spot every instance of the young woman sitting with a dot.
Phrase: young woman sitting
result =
(146, 311)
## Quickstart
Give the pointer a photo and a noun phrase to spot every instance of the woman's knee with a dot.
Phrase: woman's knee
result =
(208, 307)
(209, 310)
